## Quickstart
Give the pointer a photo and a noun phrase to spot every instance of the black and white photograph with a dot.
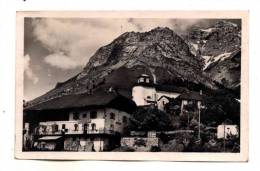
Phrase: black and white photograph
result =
(152, 85)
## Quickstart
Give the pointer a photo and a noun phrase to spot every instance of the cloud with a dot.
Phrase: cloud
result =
(77, 38)
(28, 71)
(61, 61)
(80, 38)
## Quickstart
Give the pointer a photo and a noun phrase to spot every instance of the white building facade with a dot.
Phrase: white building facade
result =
(93, 125)
(146, 93)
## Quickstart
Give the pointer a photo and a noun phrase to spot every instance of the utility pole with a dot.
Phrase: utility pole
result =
(225, 136)
(199, 106)
(199, 123)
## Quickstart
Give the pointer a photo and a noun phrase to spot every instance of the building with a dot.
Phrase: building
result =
(227, 131)
(191, 100)
(79, 122)
(145, 92)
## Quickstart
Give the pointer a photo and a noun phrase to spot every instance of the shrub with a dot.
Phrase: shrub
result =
(155, 149)
(123, 149)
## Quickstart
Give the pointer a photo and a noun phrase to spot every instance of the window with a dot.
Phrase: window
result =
(44, 127)
(84, 115)
(93, 114)
(63, 126)
(93, 127)
(112, 127)
(76, 127)
(56, 128)
(112, 116)
(141, 80)
(124, 119)
(148, 97)
(85, 127)
(76, 116)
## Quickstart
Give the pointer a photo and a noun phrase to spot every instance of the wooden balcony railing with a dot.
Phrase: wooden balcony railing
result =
(71, 132)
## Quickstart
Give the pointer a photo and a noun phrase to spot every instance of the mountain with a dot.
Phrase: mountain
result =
(219, 47)
(163, 55)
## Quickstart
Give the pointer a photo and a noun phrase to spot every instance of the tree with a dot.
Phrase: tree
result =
(220, 107)
(150, 119)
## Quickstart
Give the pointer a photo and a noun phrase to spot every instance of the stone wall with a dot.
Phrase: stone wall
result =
(77, 144)
(139, 143)
(86, 144)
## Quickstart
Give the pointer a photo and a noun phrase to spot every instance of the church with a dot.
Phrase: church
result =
(145, 92)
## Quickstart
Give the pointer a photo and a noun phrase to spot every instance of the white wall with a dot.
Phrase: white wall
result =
(161, 103)
(229, 129)
(140, 94)
(118, 121)
(100, 124)
(103, 120)
(100, 114)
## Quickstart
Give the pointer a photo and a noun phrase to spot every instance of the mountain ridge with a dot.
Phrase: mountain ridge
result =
(160, 53)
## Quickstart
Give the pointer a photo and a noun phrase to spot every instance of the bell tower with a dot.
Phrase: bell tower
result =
(144, 79)
(144, 93)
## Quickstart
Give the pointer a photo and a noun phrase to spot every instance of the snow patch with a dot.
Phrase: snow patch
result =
(206, 61)
(209, 30)
(233, 24)
(212, 59)
(222, 56)
(196, 46)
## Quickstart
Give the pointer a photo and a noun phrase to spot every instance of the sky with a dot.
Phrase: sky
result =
(56, 49)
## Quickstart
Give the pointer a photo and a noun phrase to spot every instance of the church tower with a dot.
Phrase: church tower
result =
(144, 92)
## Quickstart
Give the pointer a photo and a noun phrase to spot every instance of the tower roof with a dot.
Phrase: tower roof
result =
(144, 75)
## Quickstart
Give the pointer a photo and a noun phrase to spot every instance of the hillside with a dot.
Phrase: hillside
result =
(208, 57)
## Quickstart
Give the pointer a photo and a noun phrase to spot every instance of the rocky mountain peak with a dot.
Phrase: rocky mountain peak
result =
(159, 53)
(218, 46)
(226, 24)
(162, 30)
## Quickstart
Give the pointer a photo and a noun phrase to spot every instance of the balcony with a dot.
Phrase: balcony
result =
(99, 131)
(94, 126)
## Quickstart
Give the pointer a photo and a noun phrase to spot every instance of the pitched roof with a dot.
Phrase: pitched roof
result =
(169, 98)
(169, 88)
(193, 95)
(85, 100)
(143, 75)
(160, 87)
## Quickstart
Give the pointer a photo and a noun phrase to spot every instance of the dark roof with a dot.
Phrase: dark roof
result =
(193, 95)
(160, 87)
(98, 99)
(169, 98)
(169, 88)
(125, 92)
